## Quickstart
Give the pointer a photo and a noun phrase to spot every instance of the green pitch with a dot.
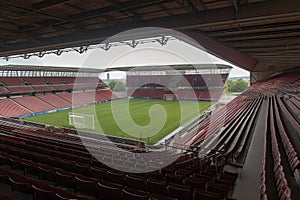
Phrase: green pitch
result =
(149, 119)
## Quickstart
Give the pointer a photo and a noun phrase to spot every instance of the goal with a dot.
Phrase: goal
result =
(169, 97)
(80, 120)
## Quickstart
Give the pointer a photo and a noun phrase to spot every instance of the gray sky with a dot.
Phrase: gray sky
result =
(175, 52)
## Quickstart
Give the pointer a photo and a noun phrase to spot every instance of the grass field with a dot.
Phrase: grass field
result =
(150, 119)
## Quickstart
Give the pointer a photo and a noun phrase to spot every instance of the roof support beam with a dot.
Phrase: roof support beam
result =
(47, 4)
(223, 16)
(220, 50)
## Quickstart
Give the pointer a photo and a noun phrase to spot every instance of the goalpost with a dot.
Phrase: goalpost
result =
(79, 120)
(169, 97)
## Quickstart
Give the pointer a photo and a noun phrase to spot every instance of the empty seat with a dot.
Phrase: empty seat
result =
(42, 194)
(31, 168)
(64, 180)
(115, 177)
(174, 178)
(156, 175)
(87, 187)
(99, 173)
(179, 192)
(4, 178)
(46, 174)
(156, 186)
(230, 176)
(207, 178)
(109, 191)
(135, 182)
(133, 194)
(218, 188)
(82, 169)
(6, 197)
(195, 182)
(205, 195)
(67, 165)
(20, 186)
(161, 197)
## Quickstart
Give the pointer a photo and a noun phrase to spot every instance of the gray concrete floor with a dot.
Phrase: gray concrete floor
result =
(248, 184)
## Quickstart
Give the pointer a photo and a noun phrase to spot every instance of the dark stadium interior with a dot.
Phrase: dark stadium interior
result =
(248, 149)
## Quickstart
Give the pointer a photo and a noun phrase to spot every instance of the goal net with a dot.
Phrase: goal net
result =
(169, 97)
(79, 120)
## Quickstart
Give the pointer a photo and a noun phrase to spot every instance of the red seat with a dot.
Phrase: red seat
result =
(20, 186)
(133, 194)
(41, 194)
(205, 195)
(64, 180)
(85, 186)
(156, 176)
(156, 186)
(161, 197)
(82, 169)
(99, 173)
(115, 177)
(6, 197)
(109, 191)
(172, 178)
(135, 182)
(195, 182)
(179, 192)
(218, 188)
(4, 178)
(46, 174)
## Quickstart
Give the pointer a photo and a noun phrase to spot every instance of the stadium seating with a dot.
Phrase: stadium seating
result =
(55, 100)
(205, 95)
(69, 168)
(281, 164)
(24, 85)
(3, 90)
(38, 94)
(207, 87)
(10, 108)
(174, 81)
(33, 103)
(44, 164)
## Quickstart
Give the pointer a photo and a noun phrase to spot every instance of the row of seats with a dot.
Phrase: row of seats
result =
(181, 181)
(213, 123)
(205, 95)
(19, 106)
(22, 85)
(281, 164)
(280, 177)
(175, 81)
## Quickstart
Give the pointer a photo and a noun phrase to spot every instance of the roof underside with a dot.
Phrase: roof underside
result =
(49, 68)
(170, 67)
(123, 68)
(256, 35)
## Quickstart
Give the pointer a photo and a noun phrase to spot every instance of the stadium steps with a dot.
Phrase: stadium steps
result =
(49, 104)
(54, 100)
(21, 105)
(250, 173)
(64, 156)
(33, 104)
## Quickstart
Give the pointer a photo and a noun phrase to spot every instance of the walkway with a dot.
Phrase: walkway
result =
(248, 184)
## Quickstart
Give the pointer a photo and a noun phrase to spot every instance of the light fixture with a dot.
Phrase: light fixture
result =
(106, 46)
(26, 56)
(41, 54)
(59, 52)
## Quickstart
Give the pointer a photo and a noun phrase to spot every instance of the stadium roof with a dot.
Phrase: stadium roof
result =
(168, 67)
(48, 68)
(122, 68)
(257, 35)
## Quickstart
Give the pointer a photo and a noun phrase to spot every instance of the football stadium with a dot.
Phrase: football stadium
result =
(65, 133)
